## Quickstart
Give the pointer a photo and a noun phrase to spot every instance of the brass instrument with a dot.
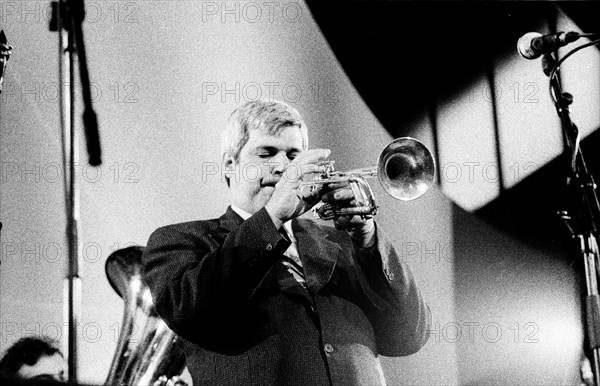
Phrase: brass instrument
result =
(405, 169)
(156, 358)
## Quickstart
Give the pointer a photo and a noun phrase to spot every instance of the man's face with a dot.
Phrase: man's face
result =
(261, 164)
(47, 368)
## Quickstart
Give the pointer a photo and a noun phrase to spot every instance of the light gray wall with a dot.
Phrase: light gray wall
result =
(518, 312)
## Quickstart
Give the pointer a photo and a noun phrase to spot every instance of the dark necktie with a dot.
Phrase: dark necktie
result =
(292, 261)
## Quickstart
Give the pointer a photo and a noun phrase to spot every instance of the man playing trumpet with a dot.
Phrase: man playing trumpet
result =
(261, 296)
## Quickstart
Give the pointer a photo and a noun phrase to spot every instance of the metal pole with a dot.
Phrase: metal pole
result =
(70, 155)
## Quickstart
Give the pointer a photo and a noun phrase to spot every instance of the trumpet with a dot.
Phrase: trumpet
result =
(405, 169)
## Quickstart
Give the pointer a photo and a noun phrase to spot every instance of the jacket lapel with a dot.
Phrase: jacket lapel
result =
(277, 277)
(318, 254)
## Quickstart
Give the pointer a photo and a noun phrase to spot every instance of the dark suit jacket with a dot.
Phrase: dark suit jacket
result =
(221, 286)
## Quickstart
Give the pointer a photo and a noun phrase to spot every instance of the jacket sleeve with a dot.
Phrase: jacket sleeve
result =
(400, 317)
(201, 279)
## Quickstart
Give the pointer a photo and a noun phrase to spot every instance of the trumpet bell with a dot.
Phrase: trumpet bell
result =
(406, 169)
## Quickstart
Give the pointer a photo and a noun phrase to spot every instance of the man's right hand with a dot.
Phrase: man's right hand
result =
(288, 200)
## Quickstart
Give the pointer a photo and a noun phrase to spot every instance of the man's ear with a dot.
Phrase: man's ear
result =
(229, 167)
(228, 162)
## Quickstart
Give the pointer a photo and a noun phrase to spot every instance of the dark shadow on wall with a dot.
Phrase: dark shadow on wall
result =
(529, 210)
(402, 54)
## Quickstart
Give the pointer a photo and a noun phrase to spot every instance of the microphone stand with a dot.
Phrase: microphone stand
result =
(585, 226)
(5, 50)
(68, 15)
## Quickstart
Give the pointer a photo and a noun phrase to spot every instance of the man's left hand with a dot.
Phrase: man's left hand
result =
(360, 228)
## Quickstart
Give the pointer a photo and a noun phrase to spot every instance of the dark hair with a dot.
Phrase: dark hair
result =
(26, 351)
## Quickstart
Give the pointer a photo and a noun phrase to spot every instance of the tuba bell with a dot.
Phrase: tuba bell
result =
(155, 357)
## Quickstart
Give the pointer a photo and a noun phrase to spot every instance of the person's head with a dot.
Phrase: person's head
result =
(260, 139)
(33, 358)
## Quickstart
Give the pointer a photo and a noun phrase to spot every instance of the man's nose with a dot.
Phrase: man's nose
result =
(280, 162)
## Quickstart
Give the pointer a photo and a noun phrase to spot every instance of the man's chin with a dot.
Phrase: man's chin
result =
(266, 192)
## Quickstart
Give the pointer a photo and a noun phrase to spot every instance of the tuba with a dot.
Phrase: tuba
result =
(154, 357)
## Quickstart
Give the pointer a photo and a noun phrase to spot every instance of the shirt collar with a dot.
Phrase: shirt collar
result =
(243, 214)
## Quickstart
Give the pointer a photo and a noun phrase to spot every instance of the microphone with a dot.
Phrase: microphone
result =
(4, 55)
(533, 44)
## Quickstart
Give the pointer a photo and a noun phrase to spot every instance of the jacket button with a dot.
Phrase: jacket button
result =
(390, 275)
(269, 247)
(328, 348)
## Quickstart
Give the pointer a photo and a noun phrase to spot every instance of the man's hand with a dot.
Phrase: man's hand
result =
(360, 228)
(288, 200)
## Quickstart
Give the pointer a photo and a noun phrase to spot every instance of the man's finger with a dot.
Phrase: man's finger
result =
(337, 185)
(295, 172)
(312, 156)
(343, 194)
